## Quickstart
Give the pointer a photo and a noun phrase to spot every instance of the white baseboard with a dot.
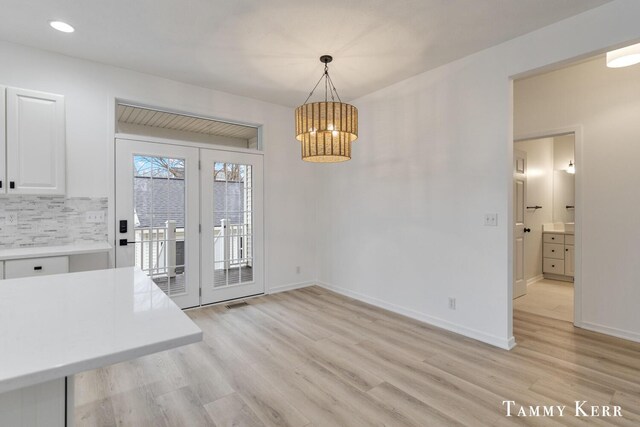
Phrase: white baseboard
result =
(535, 279)
(607, 330)
(506, 344)
(289, 287)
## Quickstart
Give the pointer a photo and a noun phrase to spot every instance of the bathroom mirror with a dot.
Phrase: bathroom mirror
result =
(564, 186)
(563, 196)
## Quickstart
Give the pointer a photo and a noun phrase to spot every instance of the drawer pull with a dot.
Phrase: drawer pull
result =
(37, 267)
(553, 265)
(553, 250)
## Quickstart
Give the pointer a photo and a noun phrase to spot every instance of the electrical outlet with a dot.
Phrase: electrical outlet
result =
(94, 216)
(298, 270)
(491, 220)
(11, 218)
(452, 303)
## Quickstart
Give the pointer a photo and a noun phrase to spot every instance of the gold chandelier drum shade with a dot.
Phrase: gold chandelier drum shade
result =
(326, 130)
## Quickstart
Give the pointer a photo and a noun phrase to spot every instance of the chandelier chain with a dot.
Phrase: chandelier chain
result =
(329, 87)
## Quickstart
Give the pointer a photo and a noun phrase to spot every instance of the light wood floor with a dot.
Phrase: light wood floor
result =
(314, 358)
(548, 298)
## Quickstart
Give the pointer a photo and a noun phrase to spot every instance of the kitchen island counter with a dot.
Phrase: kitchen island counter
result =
(52, 327)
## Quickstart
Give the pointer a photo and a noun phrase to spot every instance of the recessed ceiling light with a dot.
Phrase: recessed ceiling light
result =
(62, 26)
(624, 57)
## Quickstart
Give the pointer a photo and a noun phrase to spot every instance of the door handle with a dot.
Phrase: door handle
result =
(125, 242)
(527, 230)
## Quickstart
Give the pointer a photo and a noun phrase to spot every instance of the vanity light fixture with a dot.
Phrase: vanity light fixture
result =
(624, 57)
(62, 26)
(571, 169)
(326, 129)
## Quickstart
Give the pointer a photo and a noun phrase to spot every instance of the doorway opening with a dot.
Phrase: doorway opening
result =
(544, 226)
(189, 204)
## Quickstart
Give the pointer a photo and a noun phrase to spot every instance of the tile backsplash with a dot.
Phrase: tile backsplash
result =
(50, 220)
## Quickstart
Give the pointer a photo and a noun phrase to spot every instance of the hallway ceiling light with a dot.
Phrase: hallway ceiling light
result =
(326, 129)
(62, 26)
(624, 57)
(571, 169)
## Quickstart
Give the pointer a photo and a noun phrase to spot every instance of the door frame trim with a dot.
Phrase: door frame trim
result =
(577, 130)
(193, 144)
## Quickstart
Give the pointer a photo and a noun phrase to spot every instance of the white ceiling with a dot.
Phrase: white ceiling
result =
(269, 49)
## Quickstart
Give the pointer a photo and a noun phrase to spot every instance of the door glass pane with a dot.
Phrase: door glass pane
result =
(159, 220)
(233, 215)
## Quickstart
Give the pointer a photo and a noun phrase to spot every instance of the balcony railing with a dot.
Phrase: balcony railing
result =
(160, 250)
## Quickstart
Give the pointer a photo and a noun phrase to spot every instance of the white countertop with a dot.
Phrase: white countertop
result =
(59, 325)
(60, 250)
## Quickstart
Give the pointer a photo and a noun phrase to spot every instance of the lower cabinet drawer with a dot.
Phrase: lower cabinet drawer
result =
(553, 250)
(553, 238)
(14, 269)
(553, 266)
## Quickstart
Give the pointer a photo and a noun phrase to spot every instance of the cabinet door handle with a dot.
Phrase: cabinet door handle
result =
(37, 267)
(12, 185)
(553, 265)
(553, 250)
(0, 184)
(566, 250)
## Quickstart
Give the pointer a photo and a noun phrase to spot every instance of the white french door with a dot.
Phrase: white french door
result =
(157, 215)
(232, 225)
(191, 219)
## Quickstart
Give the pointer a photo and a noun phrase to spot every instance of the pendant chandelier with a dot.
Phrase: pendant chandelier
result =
(326, 129)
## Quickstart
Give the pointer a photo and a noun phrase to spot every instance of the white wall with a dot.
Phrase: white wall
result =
(401, 225)
(563, 146)
(606, 103)
(89, 89)
(539, 193)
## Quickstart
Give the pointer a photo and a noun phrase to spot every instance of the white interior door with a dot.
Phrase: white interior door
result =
(157, 215)
(519, 200)
(232, 225)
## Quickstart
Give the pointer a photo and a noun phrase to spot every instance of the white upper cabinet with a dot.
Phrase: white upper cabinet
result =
(35, 143)
(3, 146)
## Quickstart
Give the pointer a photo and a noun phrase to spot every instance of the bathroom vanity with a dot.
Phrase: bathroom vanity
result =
(558, 255)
